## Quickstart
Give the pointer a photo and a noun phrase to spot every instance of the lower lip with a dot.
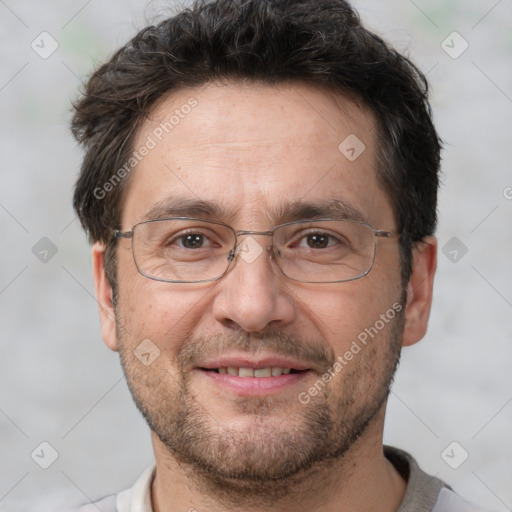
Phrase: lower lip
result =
(254, 386)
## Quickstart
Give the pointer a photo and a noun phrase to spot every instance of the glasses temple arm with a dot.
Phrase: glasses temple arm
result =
(122, 234)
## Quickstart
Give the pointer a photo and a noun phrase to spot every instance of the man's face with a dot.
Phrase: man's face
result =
(251, 150)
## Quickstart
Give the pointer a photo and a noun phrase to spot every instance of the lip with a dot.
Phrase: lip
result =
(253, 386)
(255, 363)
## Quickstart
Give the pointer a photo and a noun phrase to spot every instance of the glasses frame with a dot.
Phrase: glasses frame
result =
(377, 233)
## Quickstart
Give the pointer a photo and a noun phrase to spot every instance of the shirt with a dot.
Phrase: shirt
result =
(424, 493)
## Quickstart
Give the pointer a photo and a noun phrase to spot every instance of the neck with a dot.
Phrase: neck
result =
(363, 479)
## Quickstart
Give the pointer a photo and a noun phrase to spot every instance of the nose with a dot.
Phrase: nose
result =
(253, 294)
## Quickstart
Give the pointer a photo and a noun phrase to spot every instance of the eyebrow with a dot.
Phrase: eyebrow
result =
(183, 207)
(337, 208)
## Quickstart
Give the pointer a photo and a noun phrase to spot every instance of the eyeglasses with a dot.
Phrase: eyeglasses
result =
(188, 250)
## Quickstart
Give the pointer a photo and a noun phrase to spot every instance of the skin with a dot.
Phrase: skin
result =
(251, 147)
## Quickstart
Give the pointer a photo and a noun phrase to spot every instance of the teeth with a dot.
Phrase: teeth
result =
(270, 371)
(246, 372)
(263, 372)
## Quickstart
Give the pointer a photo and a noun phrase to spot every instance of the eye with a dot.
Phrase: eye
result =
(189, 239)
(317, 240)
(192, 240)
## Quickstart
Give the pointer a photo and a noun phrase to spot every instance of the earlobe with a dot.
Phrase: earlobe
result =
(420, 290)
(104, 297)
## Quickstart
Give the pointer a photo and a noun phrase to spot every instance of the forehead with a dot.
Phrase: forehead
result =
(253, 152)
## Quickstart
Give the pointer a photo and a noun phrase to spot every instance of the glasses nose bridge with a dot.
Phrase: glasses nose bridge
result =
(245, 232)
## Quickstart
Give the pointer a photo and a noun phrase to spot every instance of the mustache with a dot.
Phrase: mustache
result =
(311, 353)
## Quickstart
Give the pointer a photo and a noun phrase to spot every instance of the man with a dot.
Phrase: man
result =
(260, 185)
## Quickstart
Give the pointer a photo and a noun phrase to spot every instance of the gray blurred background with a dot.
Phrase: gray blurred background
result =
(451, 405)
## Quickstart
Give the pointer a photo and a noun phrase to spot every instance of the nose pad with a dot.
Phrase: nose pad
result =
(250, 250)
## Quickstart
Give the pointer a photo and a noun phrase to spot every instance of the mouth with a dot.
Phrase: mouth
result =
(244, 372)
(245, 377)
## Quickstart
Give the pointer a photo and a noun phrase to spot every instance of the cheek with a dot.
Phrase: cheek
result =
(161, 312)
(350, 311)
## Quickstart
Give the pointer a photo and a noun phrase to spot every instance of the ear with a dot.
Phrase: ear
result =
(104, 297)
(419, 290)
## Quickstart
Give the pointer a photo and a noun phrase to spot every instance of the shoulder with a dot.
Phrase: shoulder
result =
(424, 492)
(135, 499)
(448, 501)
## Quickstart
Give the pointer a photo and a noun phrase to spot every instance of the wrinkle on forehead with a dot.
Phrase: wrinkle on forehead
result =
(329, 107)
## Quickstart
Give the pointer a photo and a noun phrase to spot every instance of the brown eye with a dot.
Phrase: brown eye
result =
(192, 241)
(317, 241)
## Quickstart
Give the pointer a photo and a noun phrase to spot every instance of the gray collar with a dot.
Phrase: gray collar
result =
(422, 489)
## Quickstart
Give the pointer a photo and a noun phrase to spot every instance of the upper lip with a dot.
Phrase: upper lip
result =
(238, 361)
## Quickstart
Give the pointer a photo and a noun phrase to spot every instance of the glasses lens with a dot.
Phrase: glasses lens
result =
(324, 251)
(182, 250)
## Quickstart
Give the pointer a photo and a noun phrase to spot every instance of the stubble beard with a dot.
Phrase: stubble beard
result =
(270, 460)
